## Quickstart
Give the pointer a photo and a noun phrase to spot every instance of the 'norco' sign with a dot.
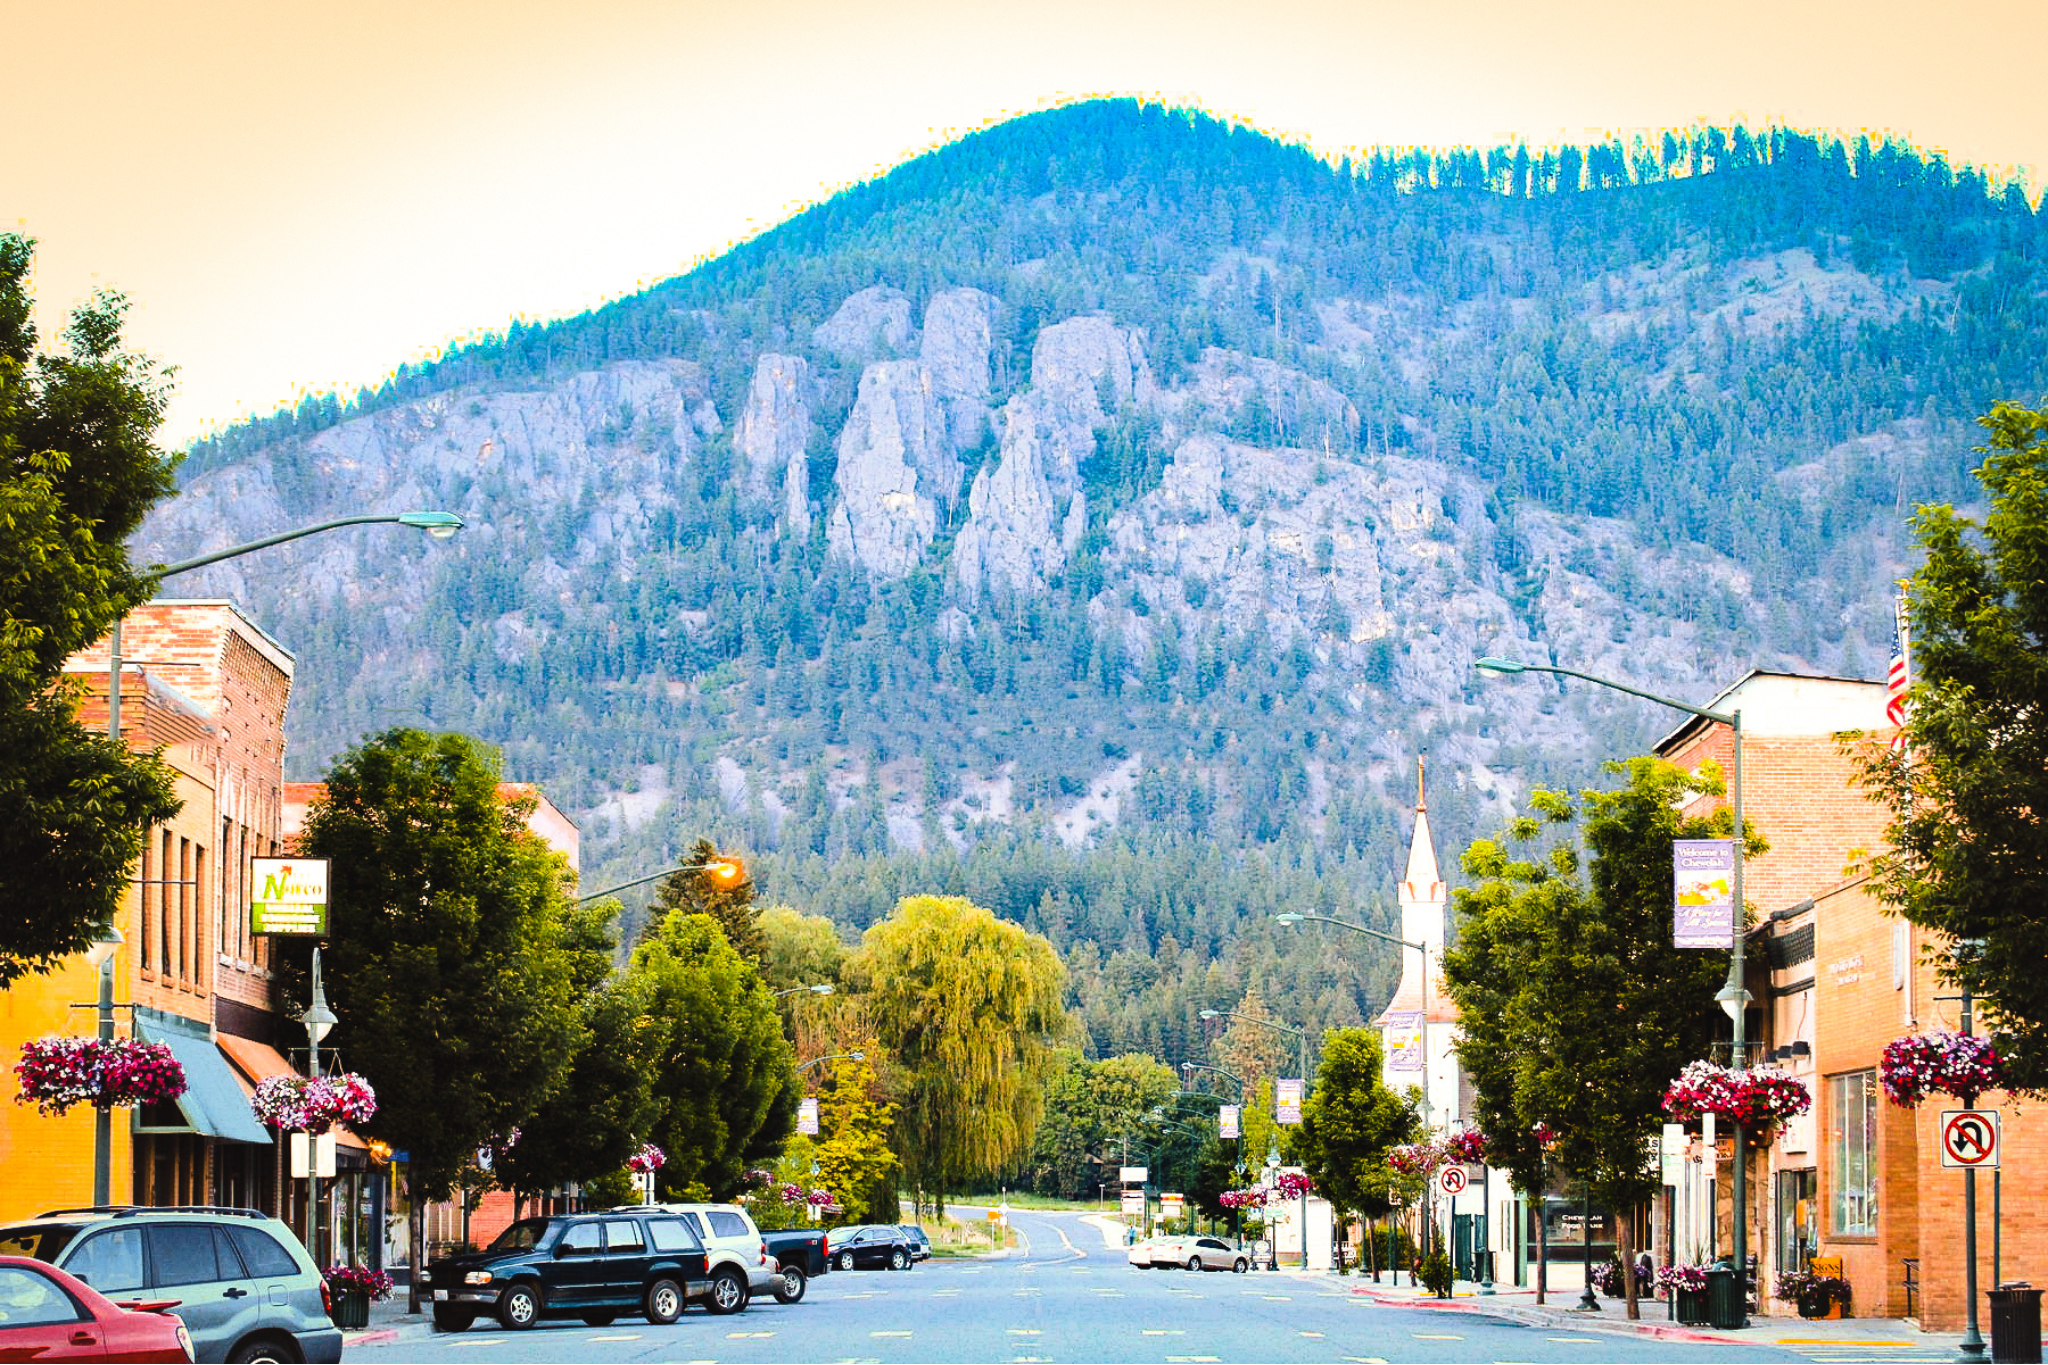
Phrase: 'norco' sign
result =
(288, 895)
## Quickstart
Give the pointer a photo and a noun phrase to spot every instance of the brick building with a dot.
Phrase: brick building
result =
(207, 688)
(1834, 979)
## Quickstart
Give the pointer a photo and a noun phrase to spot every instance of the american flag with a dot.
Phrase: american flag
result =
(1897, 678)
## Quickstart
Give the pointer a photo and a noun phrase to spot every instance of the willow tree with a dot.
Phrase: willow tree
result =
(967, 1007)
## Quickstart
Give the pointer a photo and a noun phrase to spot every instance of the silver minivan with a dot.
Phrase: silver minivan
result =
(246, 1288)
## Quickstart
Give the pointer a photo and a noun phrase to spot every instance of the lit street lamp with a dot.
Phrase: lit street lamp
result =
(1733, 997)
(726, 871)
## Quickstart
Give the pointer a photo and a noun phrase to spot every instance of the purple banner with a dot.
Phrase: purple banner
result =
(1226, 1121)
(1287, 1101)
(1702, 893)
(1404, 1039)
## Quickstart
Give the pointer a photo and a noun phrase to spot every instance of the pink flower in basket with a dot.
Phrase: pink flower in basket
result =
(648, 1158)
(1939, 1063)
(56, 1073)
(1293, 1184)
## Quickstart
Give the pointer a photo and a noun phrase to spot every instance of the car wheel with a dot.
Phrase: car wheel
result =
(899, 1259)
(1194, 1263)
(791, 1290)
(519, 1308)
(600, 1319)
(262, 1350)
(664, 1302)
(846, 1260)
(728, 1292)
(448, 1318)
(1240, 1265)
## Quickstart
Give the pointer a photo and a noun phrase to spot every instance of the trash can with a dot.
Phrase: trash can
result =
(1727, 1299)
(2016, 1323)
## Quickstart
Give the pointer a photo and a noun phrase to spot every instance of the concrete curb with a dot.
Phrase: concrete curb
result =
(1537, 1317)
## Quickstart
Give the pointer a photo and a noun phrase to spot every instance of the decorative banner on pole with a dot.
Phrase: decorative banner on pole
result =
(1134, 1175)
(290, 896)
(1226, 1121)
(807, 1116)
(1703, 893)
(1404, 1040)
(1287, 1101)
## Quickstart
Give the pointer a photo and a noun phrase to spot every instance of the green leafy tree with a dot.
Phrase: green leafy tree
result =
(1350, 1122)
(78, 471)
(967, 1007)
(607, 1105)
(715, 884)
(799, 950)
(449, 954)
(1087, 1106)
(1966, 857)
(1600, 1011)
(726, 1078)
(854, 1125)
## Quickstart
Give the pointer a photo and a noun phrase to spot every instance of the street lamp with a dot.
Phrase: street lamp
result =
(823, 988)
(1732, 997)
(319, 1021)
(833, 1057)
(1301, 1036)
(1227, 1075)
(727, 871)
(439, 525)
(101, 958)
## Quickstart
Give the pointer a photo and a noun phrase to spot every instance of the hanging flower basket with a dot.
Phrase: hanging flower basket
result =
(1757, 1099)
(1545, 1135)
(1467, 1147)
(1416, 1158)
(296, 1104)
(1253, 1198)
(1939, 1064)
(1293, 1184)
(56, 1073)
(648, 1158)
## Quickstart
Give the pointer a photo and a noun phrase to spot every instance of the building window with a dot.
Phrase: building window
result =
(1852, 1150)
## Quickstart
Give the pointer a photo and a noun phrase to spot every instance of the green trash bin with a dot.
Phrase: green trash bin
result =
(1727, 1301)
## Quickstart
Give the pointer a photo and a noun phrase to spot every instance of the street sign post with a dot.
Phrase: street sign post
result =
(1969, 1139)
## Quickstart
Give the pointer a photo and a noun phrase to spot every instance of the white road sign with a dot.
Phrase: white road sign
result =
(1452, 1180)
(1969, 1139)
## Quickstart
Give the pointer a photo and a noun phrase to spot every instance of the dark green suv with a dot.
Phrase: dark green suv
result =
(590, 1266)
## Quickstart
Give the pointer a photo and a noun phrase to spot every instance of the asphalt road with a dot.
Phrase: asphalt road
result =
(1064, 1298)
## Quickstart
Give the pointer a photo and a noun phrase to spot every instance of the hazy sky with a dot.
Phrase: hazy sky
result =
(298, 197)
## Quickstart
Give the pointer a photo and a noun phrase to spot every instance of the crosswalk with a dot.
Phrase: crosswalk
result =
(1848, 1351)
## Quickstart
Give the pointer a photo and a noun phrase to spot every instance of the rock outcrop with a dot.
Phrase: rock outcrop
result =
(775, 425)
(898, 470)
(873, 324)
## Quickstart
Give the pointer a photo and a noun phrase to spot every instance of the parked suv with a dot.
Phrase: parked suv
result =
(245, 1287)
(589, 1266)
(740, 1264)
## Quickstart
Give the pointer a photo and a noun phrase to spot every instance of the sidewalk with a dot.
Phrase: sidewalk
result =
(1519, 1305)
(390, 1322)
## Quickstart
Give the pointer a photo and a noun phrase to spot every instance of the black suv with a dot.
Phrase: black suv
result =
(589, 1266)
(245, 1287)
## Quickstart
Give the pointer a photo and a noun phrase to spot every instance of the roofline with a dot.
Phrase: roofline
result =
(265, 643)
(1693, 724)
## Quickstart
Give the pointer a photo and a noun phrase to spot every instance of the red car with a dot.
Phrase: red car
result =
(46, 1314)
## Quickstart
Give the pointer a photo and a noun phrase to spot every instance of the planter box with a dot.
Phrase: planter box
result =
(351, 1312)
(1692, 1307)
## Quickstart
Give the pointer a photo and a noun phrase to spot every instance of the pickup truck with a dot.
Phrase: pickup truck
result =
(802, 1253)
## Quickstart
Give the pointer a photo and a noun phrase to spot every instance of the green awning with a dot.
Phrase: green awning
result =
(213, 1104)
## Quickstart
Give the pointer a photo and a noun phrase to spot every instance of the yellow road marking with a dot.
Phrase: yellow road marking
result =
(1313, 1336)
(730, 1336)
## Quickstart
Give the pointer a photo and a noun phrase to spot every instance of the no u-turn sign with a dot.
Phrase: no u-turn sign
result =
(1969, 1139)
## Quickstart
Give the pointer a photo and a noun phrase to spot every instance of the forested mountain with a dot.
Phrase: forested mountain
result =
(1098, 516)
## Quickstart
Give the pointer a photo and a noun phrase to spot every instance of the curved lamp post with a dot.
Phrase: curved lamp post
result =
(823, 988)
(439, 525)
(1301, 1036)
(1227, 1075)
(726, 871)
(1733, 996)
(833, 1057)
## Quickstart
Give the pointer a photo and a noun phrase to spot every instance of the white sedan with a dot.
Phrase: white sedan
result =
(1212, 1253)
(1144, 1250)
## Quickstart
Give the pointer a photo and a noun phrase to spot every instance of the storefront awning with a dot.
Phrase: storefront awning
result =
(213, 1104)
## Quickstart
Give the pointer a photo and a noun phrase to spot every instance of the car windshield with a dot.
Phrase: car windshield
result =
(523, 1235)
(40, 1242)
